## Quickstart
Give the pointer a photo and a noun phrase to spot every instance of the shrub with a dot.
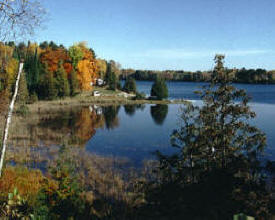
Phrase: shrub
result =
(140, 96)
(130, 85)
(159, 89)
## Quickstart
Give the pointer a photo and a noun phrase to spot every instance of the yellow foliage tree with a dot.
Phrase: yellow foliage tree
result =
(11, 71)
(86, 68)
(102, 68)
(84, 75)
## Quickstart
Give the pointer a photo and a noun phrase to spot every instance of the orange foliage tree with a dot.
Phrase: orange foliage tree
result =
(86, 68)
(53, 57)
(87, 123)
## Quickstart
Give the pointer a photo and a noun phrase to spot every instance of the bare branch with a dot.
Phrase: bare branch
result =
(20, 18)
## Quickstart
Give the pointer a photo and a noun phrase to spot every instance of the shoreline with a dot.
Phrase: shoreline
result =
(86, 99)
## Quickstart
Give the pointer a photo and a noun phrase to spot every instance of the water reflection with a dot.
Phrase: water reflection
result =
(110, 116)
(159, 113)
(131, 109)
(74, 126)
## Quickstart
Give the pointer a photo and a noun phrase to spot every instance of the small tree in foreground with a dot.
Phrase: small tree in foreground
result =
(215, 172)
(159, 89)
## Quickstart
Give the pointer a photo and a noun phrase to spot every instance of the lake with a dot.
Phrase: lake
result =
(136, 132)
(139, 134)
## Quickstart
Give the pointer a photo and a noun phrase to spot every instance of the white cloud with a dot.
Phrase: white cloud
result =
(181, 53)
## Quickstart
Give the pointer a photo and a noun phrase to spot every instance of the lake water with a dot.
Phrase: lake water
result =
(136, 132)
(177, 90)
(140, 132)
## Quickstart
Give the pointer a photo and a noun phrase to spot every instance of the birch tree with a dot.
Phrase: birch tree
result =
(19, 18)
(8, 121)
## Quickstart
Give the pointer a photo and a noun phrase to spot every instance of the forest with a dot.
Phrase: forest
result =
(51, 71)
(242, 75)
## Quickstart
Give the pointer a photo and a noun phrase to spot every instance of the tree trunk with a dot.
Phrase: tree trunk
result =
(8, 120)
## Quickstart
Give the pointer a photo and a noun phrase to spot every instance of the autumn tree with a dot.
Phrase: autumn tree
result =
(11, 73)
(76, 54)
(8, 66)
(53, 57)
(86, 68)
(102, 68)
(115, 67)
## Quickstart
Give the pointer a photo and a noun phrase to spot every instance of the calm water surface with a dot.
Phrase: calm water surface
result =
(141, 131)
(135, 132)
(178, 90)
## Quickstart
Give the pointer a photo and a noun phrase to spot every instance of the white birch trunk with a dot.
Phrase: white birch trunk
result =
(8, 120)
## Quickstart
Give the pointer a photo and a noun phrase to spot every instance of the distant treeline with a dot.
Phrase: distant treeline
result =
(239, 75)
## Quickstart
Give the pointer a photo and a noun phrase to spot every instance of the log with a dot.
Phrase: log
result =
(8, 120)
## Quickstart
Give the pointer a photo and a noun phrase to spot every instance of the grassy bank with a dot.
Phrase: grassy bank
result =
(107, 97)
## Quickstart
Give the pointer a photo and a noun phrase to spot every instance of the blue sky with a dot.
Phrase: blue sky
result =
(161, 34)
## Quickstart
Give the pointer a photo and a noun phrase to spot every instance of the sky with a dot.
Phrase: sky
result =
(167, 34)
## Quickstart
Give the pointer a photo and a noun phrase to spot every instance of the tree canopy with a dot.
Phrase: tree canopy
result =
(159, 89)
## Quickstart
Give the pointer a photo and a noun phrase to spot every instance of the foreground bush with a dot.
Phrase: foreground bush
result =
(216, 172)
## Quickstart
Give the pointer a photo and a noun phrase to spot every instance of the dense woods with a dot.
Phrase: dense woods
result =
(52, 71)
(240, 75)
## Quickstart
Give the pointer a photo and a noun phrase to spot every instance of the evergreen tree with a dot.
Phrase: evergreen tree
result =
(159, 89)
(62, 83)
(74, 86)
(130, 85)
(23, 93)
(52, 92)
(32, 68)
(216, 164)
(108, 73)
(47, 84)
(113, 83)
(111, 78)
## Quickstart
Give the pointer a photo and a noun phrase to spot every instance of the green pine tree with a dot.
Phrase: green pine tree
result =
(62, 83)
(159, 89)
(130, 85)
(74, 85)
(52, 92)
(216, 163)
(23, 93)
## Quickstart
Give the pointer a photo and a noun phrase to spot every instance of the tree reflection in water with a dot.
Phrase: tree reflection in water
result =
(131, 109)
(159, 113)
(110, 115)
